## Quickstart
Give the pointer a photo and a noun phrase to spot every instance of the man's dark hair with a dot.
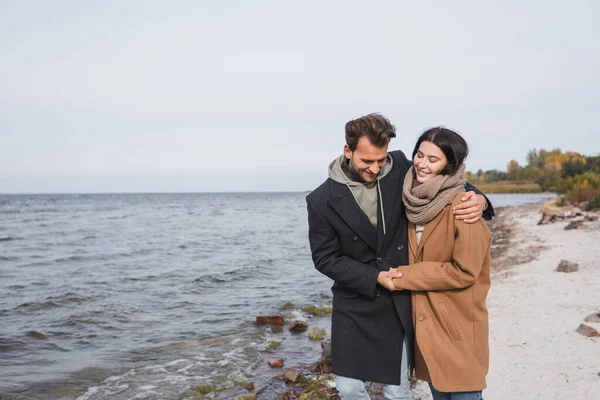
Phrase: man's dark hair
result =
(451, 143)
(375, 127)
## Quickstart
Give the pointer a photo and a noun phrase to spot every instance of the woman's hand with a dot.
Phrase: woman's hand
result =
(386, 279)
(471, 208)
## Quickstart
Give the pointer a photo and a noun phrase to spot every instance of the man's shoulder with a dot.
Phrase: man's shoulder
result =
(398, 156)
(321, 192)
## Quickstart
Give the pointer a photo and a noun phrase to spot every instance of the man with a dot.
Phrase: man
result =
(357, 232)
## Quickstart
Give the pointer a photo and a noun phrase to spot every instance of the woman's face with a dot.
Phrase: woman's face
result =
(429, 161)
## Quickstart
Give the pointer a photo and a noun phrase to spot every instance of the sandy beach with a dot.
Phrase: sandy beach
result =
(535, 351)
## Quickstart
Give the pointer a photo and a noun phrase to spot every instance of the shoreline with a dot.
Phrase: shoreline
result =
(534, 311)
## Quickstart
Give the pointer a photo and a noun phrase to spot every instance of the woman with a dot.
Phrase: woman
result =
(449, 275)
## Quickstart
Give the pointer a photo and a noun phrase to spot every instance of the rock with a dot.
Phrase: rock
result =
(591, 218)
(284, 396)
(577, 211)
(314, 367)
(326, 356)
(593, 318)
(250, 386)
(587, 331)
(273, 344)
(204, 389)
(313, 310)
(273, 319)
(292, 375)
(567, 266)
(298, 326)
(574, 225)
(277, 363)
(317, 334)
(326, 350)
(245, 397)
(287, 306)
(546, 218)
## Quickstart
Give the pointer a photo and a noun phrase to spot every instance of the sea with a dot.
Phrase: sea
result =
(144, 296)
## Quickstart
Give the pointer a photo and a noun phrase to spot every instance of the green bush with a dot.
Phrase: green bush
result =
(594, 204)
(581, 187)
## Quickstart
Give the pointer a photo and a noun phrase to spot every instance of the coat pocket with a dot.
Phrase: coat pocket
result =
(448, 322)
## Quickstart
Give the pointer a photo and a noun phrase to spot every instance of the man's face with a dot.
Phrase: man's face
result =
(367, 159)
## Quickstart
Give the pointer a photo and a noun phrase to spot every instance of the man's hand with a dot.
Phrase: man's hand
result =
(386, 279)
(471, 209)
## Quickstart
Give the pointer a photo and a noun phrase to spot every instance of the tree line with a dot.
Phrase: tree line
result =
(573, 175)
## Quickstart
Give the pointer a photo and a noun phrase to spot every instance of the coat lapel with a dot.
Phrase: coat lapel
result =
(390, 193)
(343, 202)
(429, 228)
(412, 241)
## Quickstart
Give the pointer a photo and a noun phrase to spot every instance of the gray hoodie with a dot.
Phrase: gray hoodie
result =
(365, 193)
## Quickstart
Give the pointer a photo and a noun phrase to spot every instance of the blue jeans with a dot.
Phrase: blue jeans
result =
(455, 395)
(354, 389)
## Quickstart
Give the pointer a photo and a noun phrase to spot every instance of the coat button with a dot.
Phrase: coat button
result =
(379, 259)
(355, 238)
(377, 293)
(400, 247)
(421, 318)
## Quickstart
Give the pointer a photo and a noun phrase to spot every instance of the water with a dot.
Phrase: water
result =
(507, 200)
(146, 295)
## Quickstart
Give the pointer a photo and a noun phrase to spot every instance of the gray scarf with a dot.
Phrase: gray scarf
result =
(424, 201)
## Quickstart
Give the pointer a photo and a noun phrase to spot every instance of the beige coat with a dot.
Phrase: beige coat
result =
(449, 277)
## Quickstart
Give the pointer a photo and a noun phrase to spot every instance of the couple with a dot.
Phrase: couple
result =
(409, 257)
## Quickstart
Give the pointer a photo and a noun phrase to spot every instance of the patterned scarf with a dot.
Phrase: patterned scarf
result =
(424, 201)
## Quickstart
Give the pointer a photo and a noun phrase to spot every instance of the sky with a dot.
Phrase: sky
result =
(196, 96)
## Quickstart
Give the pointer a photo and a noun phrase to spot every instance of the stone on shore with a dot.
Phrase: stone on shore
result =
(574, 225)
(591, 218)
(298, 326)
(277, 363)
(567, 266)
(593, 318)
(270, 319)
(292, 375)
(249, 387)
(317, 334)
(273, 344)
(587, 331)
(326, 356)
(287, 306)
(313, 310)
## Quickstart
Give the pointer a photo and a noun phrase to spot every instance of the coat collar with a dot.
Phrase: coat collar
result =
(429, 228)
(343, 202)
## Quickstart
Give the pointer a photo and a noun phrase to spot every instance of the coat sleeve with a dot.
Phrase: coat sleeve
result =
(329, 259)
(489, 212)
(471, 246)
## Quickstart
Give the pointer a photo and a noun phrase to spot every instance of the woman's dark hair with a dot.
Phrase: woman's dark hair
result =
(375, 127)
(451, 143)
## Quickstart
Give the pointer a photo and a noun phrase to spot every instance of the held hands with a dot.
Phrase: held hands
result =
(386, 279)
(471, 209)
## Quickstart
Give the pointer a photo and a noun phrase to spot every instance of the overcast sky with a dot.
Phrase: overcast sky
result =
(128, 96)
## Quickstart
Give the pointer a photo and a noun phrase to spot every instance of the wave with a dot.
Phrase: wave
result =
(38, 306)
(36, 335)
(7, 345)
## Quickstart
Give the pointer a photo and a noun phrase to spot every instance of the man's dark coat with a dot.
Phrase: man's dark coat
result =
(368, 322)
